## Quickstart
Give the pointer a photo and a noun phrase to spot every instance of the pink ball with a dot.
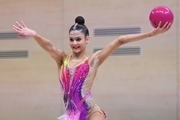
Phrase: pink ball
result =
(161, 13)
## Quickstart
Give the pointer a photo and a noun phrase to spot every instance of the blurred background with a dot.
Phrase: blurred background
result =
(139, 81)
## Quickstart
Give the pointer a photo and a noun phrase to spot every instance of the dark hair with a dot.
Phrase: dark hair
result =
(79, 25)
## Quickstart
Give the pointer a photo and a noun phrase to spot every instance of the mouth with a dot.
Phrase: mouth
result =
(76, 47)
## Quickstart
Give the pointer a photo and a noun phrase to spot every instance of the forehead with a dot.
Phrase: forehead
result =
(76, 33)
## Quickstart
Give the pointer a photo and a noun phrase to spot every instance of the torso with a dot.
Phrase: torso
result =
(76, 82)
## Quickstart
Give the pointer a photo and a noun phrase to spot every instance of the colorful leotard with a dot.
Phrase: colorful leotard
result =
(76, 84)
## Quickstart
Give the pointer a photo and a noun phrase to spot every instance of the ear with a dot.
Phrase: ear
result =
(87, 39)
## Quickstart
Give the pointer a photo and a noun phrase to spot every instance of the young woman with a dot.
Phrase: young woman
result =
(78, 70)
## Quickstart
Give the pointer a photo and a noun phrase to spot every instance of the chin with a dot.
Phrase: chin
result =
(76, 51)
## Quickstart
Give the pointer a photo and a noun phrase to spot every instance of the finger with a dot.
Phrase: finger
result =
(168, 26)
(17, 29)
(18, 25)
(23, 23)
(165, 25)
(159, 24)
(22, 36)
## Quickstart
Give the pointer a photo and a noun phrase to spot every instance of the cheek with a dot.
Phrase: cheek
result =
(83, 43)
(70, 44)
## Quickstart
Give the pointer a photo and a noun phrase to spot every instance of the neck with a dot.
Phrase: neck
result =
(79, 55)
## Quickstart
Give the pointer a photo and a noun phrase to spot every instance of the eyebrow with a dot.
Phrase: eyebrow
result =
(76, 37)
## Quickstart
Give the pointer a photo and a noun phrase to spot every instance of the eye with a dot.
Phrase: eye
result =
(78, 39)
(71, 40)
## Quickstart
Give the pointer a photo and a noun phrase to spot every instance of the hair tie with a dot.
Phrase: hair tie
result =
(74, 27)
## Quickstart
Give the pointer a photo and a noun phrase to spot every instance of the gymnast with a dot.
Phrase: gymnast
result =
(76, 71)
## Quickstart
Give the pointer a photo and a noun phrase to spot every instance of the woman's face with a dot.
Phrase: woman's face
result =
(77, 41)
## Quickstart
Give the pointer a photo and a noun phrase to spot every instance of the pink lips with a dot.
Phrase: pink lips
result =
(76, 47)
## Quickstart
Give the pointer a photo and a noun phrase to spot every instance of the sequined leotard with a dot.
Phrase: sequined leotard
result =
(76, 84)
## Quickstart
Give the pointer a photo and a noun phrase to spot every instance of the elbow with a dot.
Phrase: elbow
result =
(122, 40)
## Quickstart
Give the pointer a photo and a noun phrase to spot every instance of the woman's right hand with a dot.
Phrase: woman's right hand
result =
(23, 31)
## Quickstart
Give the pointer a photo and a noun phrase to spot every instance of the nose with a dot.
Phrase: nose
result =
(75, 42)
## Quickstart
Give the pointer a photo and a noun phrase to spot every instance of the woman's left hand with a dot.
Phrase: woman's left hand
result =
(160, 30)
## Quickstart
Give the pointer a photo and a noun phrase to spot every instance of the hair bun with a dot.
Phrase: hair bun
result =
(80, 20)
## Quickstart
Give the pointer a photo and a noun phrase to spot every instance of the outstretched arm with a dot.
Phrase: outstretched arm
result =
(25, 32)
(100, 56)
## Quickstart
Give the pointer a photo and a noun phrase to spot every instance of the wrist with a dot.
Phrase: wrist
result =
(150, 34)
(34, 34)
